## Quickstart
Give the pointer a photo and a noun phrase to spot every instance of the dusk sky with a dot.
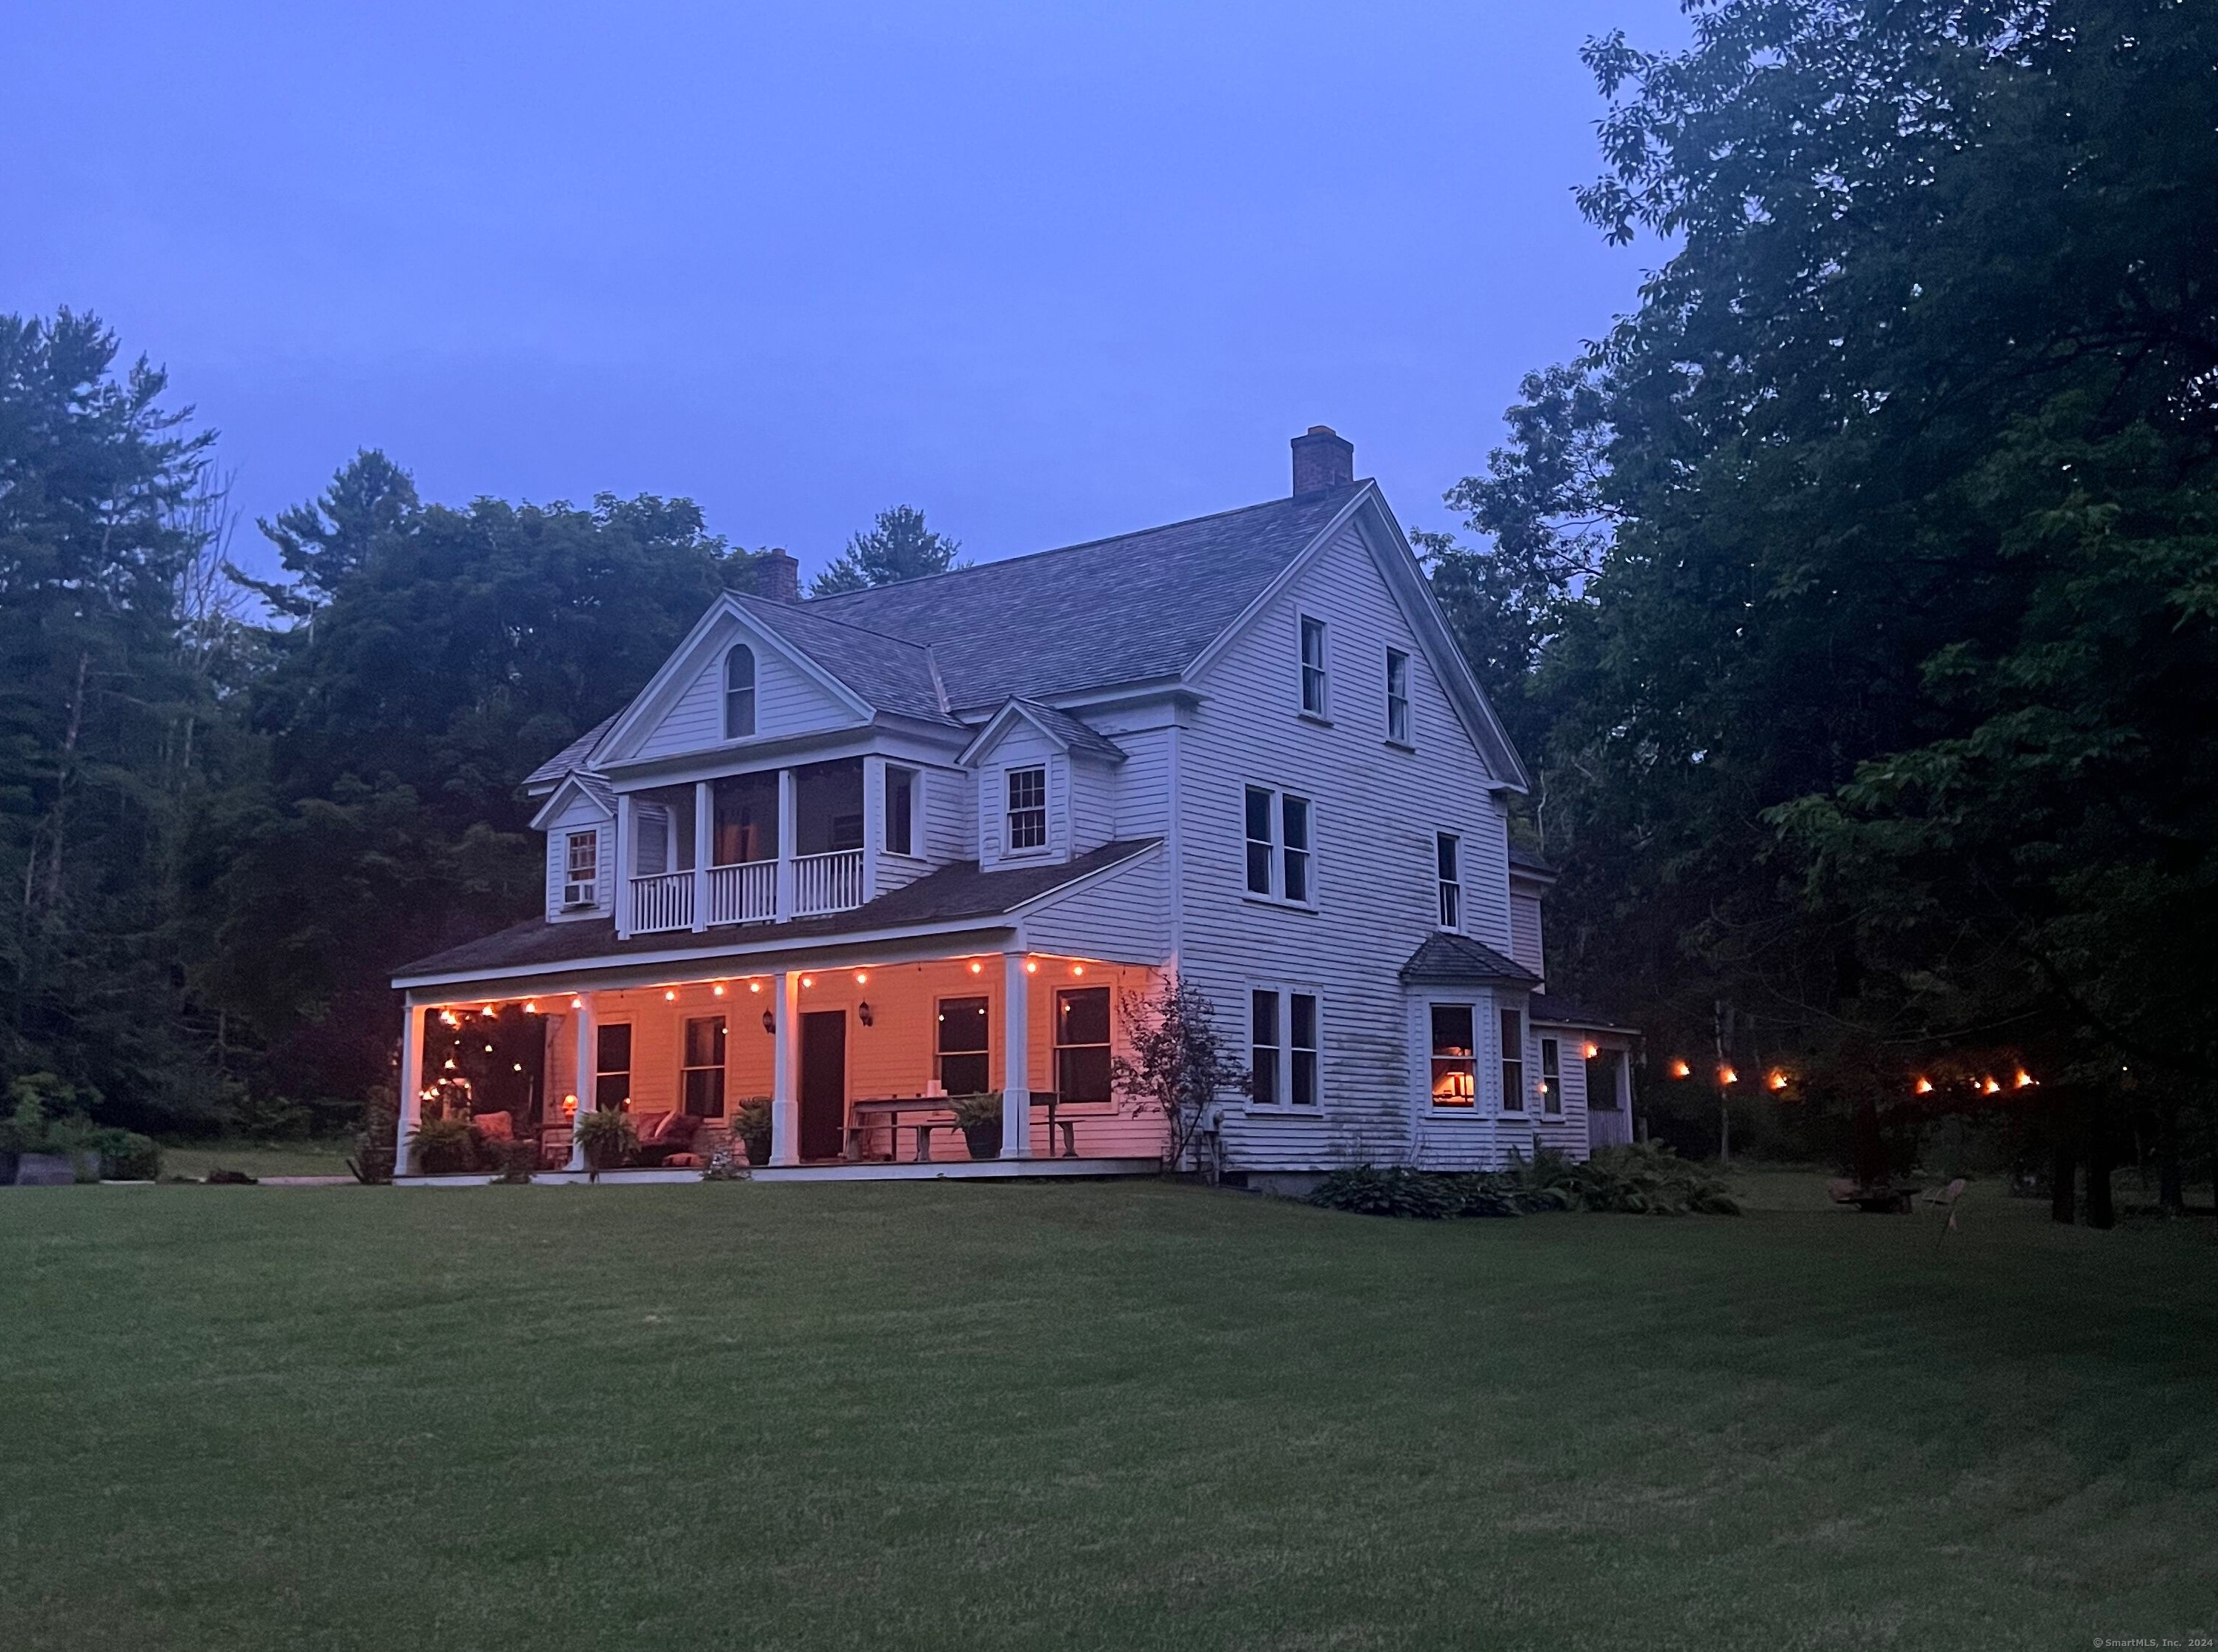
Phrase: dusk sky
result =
(1046, 271)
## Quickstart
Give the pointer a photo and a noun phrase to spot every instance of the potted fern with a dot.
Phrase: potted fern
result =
(750, 1125)
(606, 1139)
(979, 1117)
(443, 1147)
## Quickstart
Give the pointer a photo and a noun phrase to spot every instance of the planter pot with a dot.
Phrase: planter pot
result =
(984, 1140)
(758, 1150)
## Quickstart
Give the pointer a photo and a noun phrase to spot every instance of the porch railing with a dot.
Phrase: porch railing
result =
(662, 900)
(743, 894)
(828, 883)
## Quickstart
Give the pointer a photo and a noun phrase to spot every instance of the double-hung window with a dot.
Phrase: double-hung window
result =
(1027, 808)
(1315, 701)
(703, 1067)
(1282, 1048)
(1081, 1044)
(1279, 845)
(963, 1051)
(612, 1067)
(1513, 1061)
(1552, 1076)
(1446, 867)
(1398, 696)
(581, 869)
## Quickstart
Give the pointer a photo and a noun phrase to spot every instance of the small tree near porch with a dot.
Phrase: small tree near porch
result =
(1179, 1064)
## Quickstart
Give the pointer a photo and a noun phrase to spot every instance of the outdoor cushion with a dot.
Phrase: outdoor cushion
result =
(494, 1127)
(650, 1127)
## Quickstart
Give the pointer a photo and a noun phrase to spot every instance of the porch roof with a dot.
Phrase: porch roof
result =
(1546, 1010)
(953, 894)
(1445, 959)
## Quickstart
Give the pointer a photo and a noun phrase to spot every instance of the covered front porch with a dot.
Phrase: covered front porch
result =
(866, 1067)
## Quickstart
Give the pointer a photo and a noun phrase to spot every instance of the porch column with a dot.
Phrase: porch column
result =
(874, 822)
(785, 1070)
(588, 1059)
(410, 1084)
(627, 850)
(788, 825)
(1016, 1057)
(704, 839)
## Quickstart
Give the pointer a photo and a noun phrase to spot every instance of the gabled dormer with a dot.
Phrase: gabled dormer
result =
(1047, 785)
(580, 819)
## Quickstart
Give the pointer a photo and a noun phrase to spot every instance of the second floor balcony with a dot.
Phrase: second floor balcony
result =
(749, 848)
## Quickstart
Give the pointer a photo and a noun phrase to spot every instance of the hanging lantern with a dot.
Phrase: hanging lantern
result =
(1923, 1086)
(1681, 1070)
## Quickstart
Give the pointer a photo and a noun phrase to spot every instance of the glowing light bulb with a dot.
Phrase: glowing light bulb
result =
(1592, 1051)
(1031, 967)
(754, 986)
(577, 1002)
(2022, 1079)
(1727, 1076)
(1922, 1087)
(1989, 1088)
(861, 978)
(1681, 1070)
(1078, 969)
(1777, 1080)
(670, 996)
(719, 989)
(977, 968)
(531, 1006)
(808, 980)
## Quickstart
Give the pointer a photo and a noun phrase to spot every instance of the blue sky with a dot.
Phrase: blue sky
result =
(1048, 272)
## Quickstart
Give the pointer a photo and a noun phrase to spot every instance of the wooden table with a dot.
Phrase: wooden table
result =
(884, 1113)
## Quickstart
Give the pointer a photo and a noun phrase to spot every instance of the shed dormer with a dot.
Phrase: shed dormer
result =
(1047, 785)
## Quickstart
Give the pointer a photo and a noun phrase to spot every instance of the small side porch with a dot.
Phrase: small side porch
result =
(861, 1068)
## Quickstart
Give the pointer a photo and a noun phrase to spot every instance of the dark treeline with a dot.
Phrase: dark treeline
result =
(1856, 595)
(1854, 599)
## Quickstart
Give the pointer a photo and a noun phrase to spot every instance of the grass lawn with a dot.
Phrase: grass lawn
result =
(257, 1159)
(1100, 1416)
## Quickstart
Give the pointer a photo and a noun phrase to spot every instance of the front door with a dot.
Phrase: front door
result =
(823, 1083)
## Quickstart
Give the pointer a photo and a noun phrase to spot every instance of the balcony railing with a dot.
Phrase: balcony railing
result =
(662, 900)
(828, 883)
(747, 893)
(743, 894)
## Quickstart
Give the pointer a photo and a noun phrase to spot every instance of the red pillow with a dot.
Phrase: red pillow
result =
(494, 1127)
(650, 1130)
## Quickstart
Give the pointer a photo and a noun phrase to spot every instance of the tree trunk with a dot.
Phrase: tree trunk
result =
(2171, 1191)
(2102, 1157)
(2064, 1165)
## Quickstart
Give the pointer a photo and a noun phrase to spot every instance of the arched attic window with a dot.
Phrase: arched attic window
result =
(739, 692)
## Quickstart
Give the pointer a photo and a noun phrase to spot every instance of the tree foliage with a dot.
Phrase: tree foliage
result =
(1868, 565)
(899, 547)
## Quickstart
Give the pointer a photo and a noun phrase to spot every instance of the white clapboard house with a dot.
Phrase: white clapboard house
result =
(856, 853)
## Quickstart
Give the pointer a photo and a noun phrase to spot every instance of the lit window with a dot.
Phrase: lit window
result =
(901, 811)
(1313, 672)
(1552, 1076)
(1446, 864)
(1081, 1044)
(962, 1052)
(739, 692)
(1513, 1061)
(703, 1067)
(1455, 1061)
(1027, 808)
(1397, 696)
(1263, 1046)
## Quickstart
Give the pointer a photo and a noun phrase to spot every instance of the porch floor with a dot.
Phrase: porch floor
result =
(956, 1170)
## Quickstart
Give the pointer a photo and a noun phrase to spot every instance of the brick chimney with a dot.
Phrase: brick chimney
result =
(1322, 459)
(777, 577)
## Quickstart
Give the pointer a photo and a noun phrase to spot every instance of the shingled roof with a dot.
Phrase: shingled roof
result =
(1135, 608)
(955, 893)
(548, 774)
(1458, 960)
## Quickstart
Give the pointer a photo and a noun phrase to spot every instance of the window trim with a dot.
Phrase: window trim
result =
(1304, 623)
(1402, 738)
(1552, 1079)
(1468, 1107)
(601, 1029)
(1107, 1046)
(914, 852)
(1448, 874)
(570, 878)
(1010, 811)
(1283, 1051)
(753, 691)
(939, 1004)
(1282, 854)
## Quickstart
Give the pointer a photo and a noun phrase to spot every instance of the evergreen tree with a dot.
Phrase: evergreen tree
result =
(900, 547)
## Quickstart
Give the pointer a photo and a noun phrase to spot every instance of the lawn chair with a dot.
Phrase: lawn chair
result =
(1945, 1199)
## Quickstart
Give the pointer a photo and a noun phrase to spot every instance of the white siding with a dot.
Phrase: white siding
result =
(1376, 811)
(580, 814)
(1124, 916)
(1525, 932)
(1092, 803)
(786, 702)
(1023, 746)
(939, 826)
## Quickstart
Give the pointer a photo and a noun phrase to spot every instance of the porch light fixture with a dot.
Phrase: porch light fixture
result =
(569, 1106)
(769, 1021)
(1681, 1070)
(1591, 1051)
(1727, 1076)
(863, 1014)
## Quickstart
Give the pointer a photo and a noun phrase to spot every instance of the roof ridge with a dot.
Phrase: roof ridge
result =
(776, 606)
(1086, 544)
